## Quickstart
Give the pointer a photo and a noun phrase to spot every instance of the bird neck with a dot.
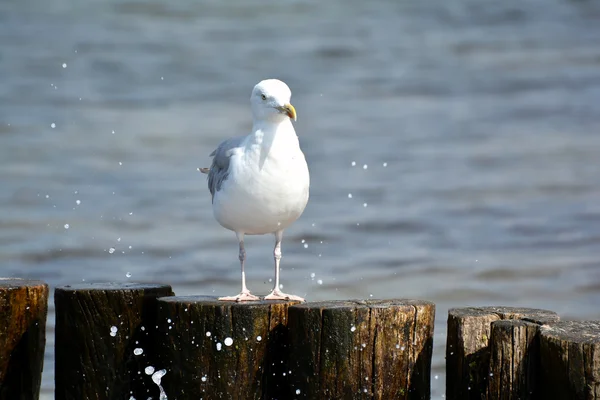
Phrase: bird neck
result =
(270, 133)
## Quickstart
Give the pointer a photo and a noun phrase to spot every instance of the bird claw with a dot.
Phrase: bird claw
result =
(278, 295)
(243, 296)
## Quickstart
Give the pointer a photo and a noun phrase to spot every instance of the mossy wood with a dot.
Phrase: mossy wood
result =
(98, 327)
(223, 350)
(375, 349)
(469, 346)
(23, 310)
(570, 358)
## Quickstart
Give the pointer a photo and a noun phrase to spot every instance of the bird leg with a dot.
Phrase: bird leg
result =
(277, 294)
(245, 294)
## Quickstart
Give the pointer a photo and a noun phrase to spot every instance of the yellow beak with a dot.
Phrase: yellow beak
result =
(289, 110)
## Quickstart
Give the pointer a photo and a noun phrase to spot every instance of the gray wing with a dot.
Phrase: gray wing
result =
(219, 169)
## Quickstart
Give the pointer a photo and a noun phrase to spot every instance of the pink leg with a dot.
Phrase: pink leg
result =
(277, 294)
(245, 294)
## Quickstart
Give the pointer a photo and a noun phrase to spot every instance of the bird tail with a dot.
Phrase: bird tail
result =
(204, 170)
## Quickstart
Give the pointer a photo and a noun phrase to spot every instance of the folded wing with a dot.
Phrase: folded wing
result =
(219, 169)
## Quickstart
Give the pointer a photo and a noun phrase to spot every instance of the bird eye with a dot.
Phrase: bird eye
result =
(262, 96)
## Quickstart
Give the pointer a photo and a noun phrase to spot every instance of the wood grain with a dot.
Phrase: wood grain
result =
(379, 349)
(570, 358)
(468, 346)
(223, 350)
(98, 327)
(23, 311)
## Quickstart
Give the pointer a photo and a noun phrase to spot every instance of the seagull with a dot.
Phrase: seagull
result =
(260, 182)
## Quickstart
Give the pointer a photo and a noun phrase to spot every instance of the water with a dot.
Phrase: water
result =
(479, 124)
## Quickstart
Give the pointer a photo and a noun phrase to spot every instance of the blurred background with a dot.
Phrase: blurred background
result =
(454, 147)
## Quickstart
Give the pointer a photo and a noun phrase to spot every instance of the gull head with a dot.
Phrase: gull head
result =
(270, 101)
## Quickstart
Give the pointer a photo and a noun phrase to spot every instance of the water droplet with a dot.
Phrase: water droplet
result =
(118, 239)
(66, 226)
(120, 163)
(259, 338)
(298, 391)
(149, 370)
(138, 351)
(111, 250)
(64, 65)
(353, 328)
(436, 377)
(113, 331)
(219, 346)
(320, 281)
(53, 125)
(349, 195)
(208, 334)
(169, 320)
(228, 341)
(364, 204)
(203, 378)
(385, 164)
(128, 274)
(78, 202)
(353, 163)
(156, 377)
(365, 166)
(306, 245)
(312, 275)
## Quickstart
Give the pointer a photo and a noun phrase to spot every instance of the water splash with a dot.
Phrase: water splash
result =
(156, 377)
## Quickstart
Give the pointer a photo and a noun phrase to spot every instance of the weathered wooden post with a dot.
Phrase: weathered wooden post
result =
(223, 350)
(480, 344)
(374, 349)
(23, 310)
(105, 335)
(514, 367)
(570, 358)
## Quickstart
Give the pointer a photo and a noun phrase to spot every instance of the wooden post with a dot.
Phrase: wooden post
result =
(468, 346)
(23, 310)
(570, 357)
(376, 349)
(514, 368)
(104, 340)
(223, 350)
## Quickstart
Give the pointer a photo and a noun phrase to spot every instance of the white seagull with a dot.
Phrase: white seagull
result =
(259, 183)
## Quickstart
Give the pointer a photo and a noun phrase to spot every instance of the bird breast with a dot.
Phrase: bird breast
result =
(265, 191)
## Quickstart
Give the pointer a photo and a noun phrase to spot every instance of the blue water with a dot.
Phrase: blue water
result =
(486, 115)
